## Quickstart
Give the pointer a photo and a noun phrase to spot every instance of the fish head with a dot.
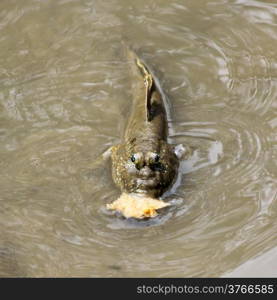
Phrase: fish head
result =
(146, 171)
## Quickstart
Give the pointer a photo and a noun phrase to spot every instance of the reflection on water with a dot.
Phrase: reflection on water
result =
(65, 89)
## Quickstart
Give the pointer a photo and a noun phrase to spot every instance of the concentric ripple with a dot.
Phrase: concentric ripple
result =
(65, 95)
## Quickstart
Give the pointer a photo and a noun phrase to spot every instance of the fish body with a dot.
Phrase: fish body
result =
(144, 163)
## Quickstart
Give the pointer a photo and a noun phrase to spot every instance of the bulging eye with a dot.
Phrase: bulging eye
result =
(133, 159)
(157, 158)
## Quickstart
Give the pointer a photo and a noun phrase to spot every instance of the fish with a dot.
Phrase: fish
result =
(144, 163)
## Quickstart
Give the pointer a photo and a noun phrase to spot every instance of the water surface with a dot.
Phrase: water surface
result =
(65, 92)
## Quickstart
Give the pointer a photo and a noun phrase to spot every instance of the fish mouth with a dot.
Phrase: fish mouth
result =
(146, 184)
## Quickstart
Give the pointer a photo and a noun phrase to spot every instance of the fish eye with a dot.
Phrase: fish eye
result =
(133, 159)
(157, 158)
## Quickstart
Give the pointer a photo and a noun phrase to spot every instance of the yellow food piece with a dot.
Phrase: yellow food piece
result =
(136, 206)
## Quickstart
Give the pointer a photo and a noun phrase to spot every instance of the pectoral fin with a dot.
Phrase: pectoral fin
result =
(100, 160)
(181, 151)
(107, 154)
(97, 166)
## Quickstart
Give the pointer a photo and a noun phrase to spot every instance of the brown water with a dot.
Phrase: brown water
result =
(65, 92)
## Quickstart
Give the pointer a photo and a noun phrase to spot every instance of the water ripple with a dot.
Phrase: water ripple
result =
(65, 92)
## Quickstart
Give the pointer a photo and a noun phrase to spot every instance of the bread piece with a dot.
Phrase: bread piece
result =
(137, 206)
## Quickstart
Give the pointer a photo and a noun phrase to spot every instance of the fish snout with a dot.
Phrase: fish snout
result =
(146, 172)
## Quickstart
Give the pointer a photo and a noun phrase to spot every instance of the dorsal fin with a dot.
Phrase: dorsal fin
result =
(149, 84)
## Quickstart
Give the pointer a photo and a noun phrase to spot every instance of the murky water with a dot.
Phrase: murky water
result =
(65, 91)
